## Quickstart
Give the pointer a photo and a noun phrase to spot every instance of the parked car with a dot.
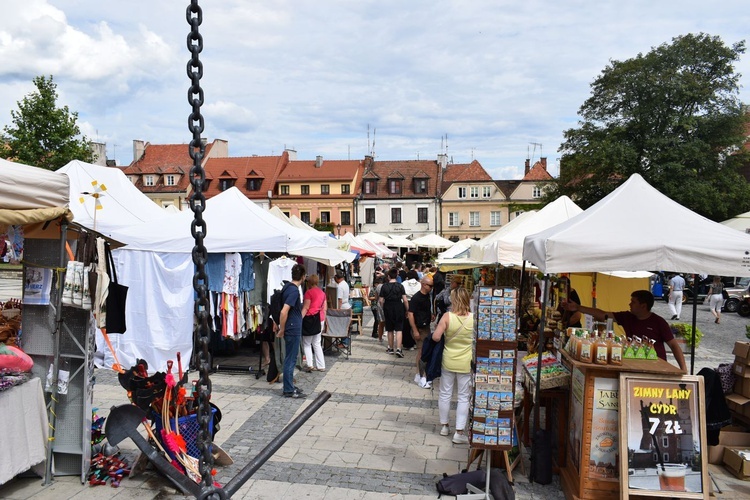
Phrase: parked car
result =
(735, 287)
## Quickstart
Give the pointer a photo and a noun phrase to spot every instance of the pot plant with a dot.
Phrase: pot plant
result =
(684, 331)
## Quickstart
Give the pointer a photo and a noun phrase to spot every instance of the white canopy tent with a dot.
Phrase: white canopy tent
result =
(739, 222)
(507, 249)
(276, 212)
(637, 228)
(379, 250)
(432, 241)
(458, 249)
(376, 237)
(31, 194)
(123, 205)
(476, 253)
(399, 240)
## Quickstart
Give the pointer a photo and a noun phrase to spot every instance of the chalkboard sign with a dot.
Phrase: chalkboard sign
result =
(663, 436)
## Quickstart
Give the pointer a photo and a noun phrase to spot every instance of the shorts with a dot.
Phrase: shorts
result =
(394, 316)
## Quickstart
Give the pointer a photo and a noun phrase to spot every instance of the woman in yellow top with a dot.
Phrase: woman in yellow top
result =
(458, 327)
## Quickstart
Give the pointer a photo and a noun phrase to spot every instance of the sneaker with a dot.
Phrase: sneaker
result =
(673, 317)
(294, 394)
(412, 348)
(460, 438)
(399, 353)
(424, 384)
(445, 430)
(418, 380)
(389, 350)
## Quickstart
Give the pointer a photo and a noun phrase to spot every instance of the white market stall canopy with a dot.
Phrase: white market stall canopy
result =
(507, 249)
(432, 241)
(399, 240)
(458, 249)
(477, 248)
(637, 228)
(122, 204)
(375, 237)
(30, 194)
(233, 224)
(740, 222)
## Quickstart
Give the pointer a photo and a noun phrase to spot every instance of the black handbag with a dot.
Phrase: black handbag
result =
(116, 299)
(311, 324)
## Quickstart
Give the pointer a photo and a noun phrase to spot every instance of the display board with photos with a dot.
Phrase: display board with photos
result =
(496, 327)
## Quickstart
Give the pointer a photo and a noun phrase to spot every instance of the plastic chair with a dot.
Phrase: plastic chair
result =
(338, 331)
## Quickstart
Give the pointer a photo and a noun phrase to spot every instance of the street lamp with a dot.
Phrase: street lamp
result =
(338, 229)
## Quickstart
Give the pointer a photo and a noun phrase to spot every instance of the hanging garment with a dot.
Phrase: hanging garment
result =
(279, 270)
(215, 271)
(247, 274)
(260, 266)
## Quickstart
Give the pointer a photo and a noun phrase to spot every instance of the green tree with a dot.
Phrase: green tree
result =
(673, 116)
(42, 134)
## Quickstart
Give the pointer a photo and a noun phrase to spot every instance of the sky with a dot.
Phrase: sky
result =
(498, 81)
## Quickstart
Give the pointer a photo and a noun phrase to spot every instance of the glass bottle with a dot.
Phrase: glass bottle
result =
(586, 350)
(600, 350)
(615, 352)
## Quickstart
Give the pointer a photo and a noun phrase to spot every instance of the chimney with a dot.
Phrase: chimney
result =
(318, 161)
(204, 141)
(442, 160)
(292, 153)
(527, 166)
(139, 147)
(544, 162)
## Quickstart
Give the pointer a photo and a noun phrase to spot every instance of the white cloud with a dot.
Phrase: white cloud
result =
(495, 76)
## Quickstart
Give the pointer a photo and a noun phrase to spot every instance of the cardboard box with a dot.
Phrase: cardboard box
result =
(736, 463)
(741, 352)
(738, 404)
(742, 384)
(731, 435)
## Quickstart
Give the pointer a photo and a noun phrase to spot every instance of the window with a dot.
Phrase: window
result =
(486, 191)
(394, 186)
(453, 219)
(537, 192)
(420, 186)
(170, 180)
(495, 218)
(325, 217)
(225, 184)
(462, 192)
(325, 189)
(474, 190)
(284, 189)
(305, 189)
(370, 187)
(395, 215)
(149, 180)
(422, 215)
(346, 218)
(254, 184)
(286, 213)
(345, 189)
(516, 214)
(304, 217)
(369, 216)
(473, 219)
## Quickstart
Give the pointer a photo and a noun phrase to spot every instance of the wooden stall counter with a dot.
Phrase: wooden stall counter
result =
(592, 467)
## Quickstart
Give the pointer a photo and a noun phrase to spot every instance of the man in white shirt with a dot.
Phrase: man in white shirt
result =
(342, 292)
(676, 289)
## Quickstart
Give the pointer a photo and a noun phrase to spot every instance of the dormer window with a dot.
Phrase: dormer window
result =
(149, 180)
(225, 184)
(254, 184)
(420, 186)
(170, 180)
(394, 186)
(370, 186)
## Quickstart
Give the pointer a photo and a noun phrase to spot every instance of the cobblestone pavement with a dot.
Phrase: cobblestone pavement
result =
(377, 437)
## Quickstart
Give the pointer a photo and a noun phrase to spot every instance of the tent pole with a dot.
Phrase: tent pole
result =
(540, 349)
(695, 319)
(56, 356)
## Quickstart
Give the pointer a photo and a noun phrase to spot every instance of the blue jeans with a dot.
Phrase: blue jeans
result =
(291, 345)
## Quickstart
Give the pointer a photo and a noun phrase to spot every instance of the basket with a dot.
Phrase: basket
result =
(189, 429)
(562, 379)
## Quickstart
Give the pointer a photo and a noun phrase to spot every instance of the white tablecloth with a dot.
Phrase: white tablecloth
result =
(23, 436)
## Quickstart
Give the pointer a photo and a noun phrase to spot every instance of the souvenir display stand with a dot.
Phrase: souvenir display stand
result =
(592, 468)
(71, 348)
(492, 409)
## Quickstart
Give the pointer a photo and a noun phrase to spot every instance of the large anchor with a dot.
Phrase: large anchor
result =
(123, 421)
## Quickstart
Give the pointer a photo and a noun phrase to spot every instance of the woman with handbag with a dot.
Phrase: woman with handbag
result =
(458, 328)
(313, 318)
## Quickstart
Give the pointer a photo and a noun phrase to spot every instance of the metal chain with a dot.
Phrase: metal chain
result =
(198, 229)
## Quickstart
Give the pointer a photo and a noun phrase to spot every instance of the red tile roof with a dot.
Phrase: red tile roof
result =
(242, 168)
(538, 173)
(407, 170)
(464, 172)
(160, 159)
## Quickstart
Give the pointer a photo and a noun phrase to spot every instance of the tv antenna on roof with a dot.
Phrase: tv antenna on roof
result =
(535, 144)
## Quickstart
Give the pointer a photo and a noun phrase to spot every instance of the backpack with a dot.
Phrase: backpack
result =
(277, 303)
(500, 488)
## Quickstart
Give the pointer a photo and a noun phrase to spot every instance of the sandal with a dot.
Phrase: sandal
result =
(319, 369)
